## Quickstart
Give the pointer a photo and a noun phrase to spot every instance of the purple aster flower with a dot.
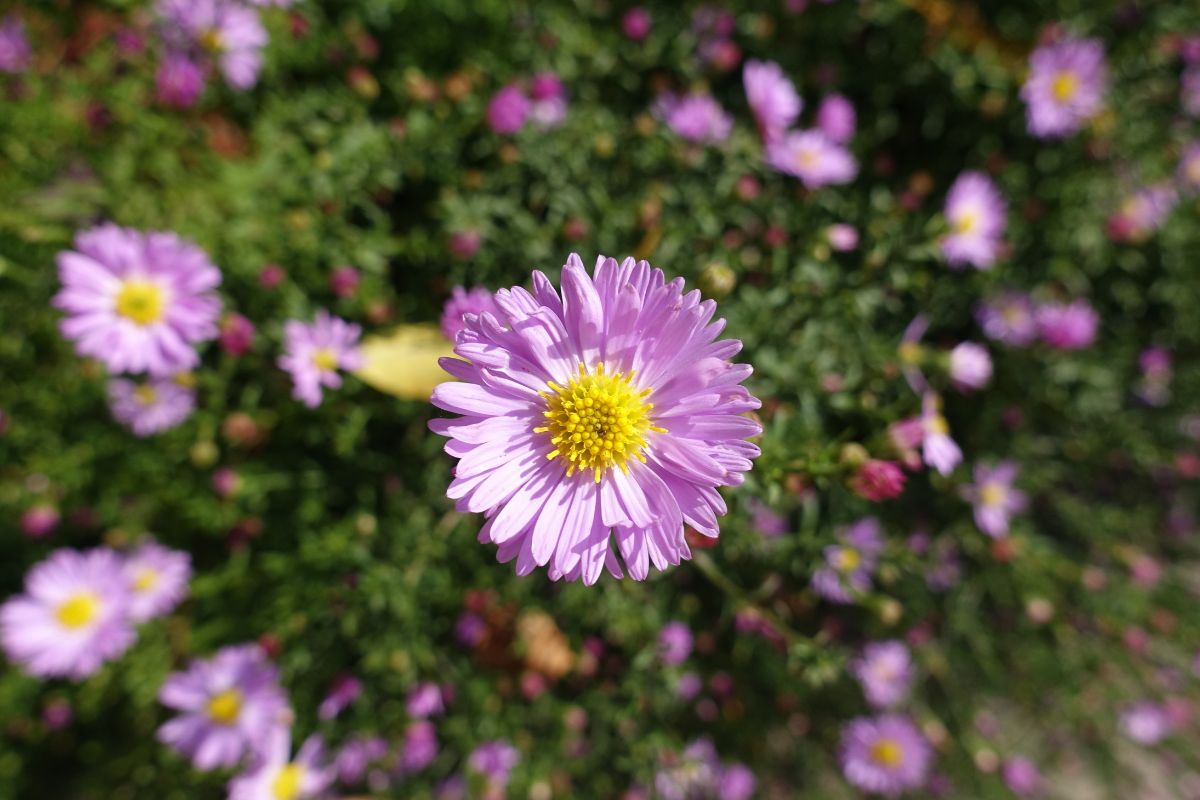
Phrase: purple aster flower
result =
(946, 570)
(695, 773)
(885, 671)
(994, 497)
(611, 409)
(15, 52)
(420, 747)
(836, 118)
(465, 301)
(842, 237)
(812, 157)
(225, 33)
(277, 776)
(314, 354)
(1021, 776)
(970, 366)
(494, 760)
(937, 449)
(1066, 86)
(179, 81)
(674, 643)
(230, 705)
(1008, 317)
(885, 755)
(1145, 722)
(1189, 91)
(737, 782)
(508, 109)
(695, 117)
(137, 301)
(158, 580)
(425, 700)
(152, 406)
(73, 616)
(1189, 168)
(850, 563)
(772, 98)
(345, 690)
(766, 520)
(356, 755)
(977, 215)
(1067, 326)
(1143, 212)
(548, 96)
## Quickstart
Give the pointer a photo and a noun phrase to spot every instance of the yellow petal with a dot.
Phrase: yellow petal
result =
(404, 362)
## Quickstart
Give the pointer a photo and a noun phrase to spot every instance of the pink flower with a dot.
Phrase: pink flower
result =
(636, 23)
(977, 215)
(237, 334)
(344, 280)
(970, 366)
(508, 110)
(938, 449)
(158, 580)
(812, 157)
(39, 520)
(772, 98)
(465, 244)
(1070, 326)
(696, 118)
(878, 481)
(994, 497)
(179, 81)
(836, 118)
(276, 776)
(314, 353)
(842, 237)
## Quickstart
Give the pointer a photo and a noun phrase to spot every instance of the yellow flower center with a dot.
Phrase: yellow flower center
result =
(145, 580)
(807, 159)
(145, 394)
(910, 352)
(966, 222)
(937, 425)
(225, 707)
(992, 494)
(847, 560)
(325, 359)
(141, 302)
(1064, 87)
(78, 610)
(597, 421)
(887, 753)
(211, 41)
(287, 783)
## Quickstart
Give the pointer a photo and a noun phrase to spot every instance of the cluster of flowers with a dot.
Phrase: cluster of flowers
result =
(80, 608)
(543, 102)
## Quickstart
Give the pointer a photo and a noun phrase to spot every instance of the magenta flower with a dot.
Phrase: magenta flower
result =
(850, 563)
(72, 618)
(465, 301)
(611, 409)
(937, 448)
(494, 760)
(1021, 776)
(977, 216)
(230, 705)
(836, 118)
(737, 782)
(1143, 212)
(15, 52)
(842, 237)
(1008, 317)
(420, 747)
(878, 480)
(237, 334)
(424, 700)
(40, 520)
(1069, 326)
(970, 366)
(1066, 86)
(696, 117)
(1145, 722)
(674, 643)
(345, 690)
(152, 406)
(139, 302)
(772, 98)
(225, 33)
(158, 580)
(994, 497)
(277, 776)
(885, 672)
(314, 353)
(356, 755)
(636, 23)
(548, 100)
(812, 157)
(507, 110)
(179, 81)
(344, 281)
(885, 755)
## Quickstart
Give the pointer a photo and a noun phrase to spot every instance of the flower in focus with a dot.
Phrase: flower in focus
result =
(1008, 317)
(345, 690)
(179, 81)
(674, 643)
(694, 117)
(1067, 326)
(314, 353)
(885, 672)
(812, 157)
(1145, 722)
(970, 366)
(836, 118)
(225, 33)
(994, 497)
(1066, 86)
(977, 215)
(424, 700)
(507, 110)
(72, 618)
(885, 755)
(465, 301)
(137, 301)
(850, 563)
(878, 480)
(937, 448)
(548, 95)
(152, 406)
(277, 776)
(494, 760)
(15, 52)
(772, 98)
(1021, 776)
(229, 705)
(611, 409)
(158, 580)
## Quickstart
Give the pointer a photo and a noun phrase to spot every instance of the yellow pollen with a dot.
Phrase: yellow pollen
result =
(225, 707)
(1065, 86)
(597, 421)
(887, 753)
(325, 359)
(992, 494)
(141, 302)
(937, 424)
(966, 222)
(211, 41)
(286, 785)
(910, 352)
(145, 580)
(847, 560)
(807, 159)
(145, 394)
(79, 609)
